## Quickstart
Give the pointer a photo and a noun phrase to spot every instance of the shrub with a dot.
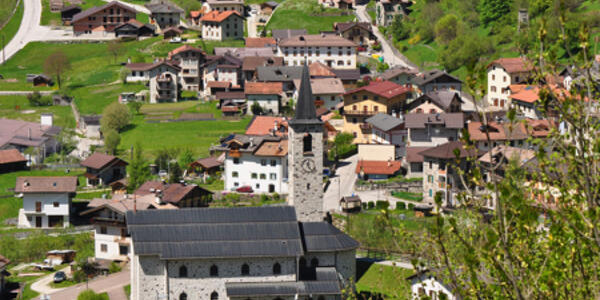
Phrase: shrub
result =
(411, 206)
(370, 205)
(90, 295)
(114, 268)
(364, 205)
(276, 197)
(36, 99)
(382, 204)
(264, 198)
(400, 206)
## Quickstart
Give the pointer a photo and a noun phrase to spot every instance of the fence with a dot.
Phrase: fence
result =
(408, 186)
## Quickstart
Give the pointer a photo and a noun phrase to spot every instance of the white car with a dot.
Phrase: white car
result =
(175, 40)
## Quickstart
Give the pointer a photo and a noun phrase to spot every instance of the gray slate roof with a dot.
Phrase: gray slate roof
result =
(442, 98)
(327, 286)
(434, 76)
(452, 120)
(280, 74)
(305, 108)
(384, 122)
(216, 232)
(322, 236)
(280, 34)
(163, 7)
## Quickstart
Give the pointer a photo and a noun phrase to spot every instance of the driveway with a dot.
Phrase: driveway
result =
(112, 284)
(347, 176)
(42, 285)
(390, 54)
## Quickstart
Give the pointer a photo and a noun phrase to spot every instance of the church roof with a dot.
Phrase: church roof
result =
(305, 108)
(270, 231)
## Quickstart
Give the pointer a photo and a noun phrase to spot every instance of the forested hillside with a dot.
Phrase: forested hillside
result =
(460, 34)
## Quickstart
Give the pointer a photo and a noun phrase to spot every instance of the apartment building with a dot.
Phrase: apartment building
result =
(219, 26)
(331, 50)
(502, 73)
(190, 60)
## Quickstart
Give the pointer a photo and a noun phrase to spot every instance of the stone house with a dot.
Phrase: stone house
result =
(436, 102)
(46, 201)
(387, 10)
(164, 13)
(266, 94)
(237, 253)
(435, 80)
(362, 103)
(440, 172)
(102, 169)
(400, 75)
(501, 74)
(331, 50)
(102, 18)
(190, 59)
(219, 26)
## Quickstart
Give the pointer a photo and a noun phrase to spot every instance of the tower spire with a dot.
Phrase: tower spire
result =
(305, 106)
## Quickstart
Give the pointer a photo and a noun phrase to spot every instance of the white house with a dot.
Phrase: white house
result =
(221, 71)
(162, 77)
(224, 5)
(219, 26)
(423, 284)
(331, 50)
(46, 200)
(266, 94)
(502, 73)
(259, 162)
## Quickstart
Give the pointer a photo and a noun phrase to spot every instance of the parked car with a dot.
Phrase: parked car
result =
(245, 189)
(175, 40)
(60, 276)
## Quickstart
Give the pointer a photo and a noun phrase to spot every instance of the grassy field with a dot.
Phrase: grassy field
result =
(17, 107)
(386, 280)
(301, 14)
(408, 195)
(10, 29)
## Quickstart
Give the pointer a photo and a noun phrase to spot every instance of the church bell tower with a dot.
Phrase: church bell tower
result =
(305, 156)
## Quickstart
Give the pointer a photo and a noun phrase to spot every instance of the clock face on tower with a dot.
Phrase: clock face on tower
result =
(308, 165)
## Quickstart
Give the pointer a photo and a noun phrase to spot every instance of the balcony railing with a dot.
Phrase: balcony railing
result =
(361, 112)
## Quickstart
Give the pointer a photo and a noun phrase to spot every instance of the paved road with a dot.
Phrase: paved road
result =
(390, 55)
(110, 284)
(42, 285)
(345, 174)
(23, 93)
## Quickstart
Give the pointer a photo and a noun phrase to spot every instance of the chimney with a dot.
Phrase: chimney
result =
(25, 183)
(46, 119)
(389, 162)
(251, 142)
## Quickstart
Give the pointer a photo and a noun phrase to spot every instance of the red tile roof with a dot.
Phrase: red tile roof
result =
(230, 109)
(378, 167)
(320, 70)
(46, 184)
(11, 156)
(207, 162)
(508, 131)
(528, 94)
(218, 84)
(260, 42)
(215, 16)
(183, 49)
(263, 88)
(513, 65)
(197, 13)
(263, 125)
(386, 89)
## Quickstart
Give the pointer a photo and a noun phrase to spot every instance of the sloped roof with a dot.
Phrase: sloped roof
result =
(163, 7)
(305, 108)
(22, 133)
(150, 66)
(218, 84)
(93, 10)
(276, 73)
(528, 94)
(507, 152)
(513, 65)
(386, 89)
(171, 193)
(378, 167)
(46, 184)
(263, 88)
(384, 122)
(11, 156)
(230, 95)
(263, 125)
(393, 72)
(216, 16)
(280, 34)
(442, 98)
(324, 237)
(413, 154)
(184, 48)
(260, 42)
(99, 160)
(318, 69)
(507, 131)
(316, 40)
(324, 86)
(341, 27)
(347, 74)
(267, 148)
(433, 76)
(287, 288)
(451, 120)
(446, 151)
(250, 63)
(208, 162)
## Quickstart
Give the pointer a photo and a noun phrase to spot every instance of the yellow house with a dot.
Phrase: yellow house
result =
(364, 102)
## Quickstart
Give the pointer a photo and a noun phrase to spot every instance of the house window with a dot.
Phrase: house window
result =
(273, 176)
(214, 271)
(493, 89)
(102, 229)
(273, 162)
(183, 296)
(214, 296)
(123, 250)
(235, 174)
(55, 204)
(430, 192)
(354, 97)
(263, 176)
(123, 232)
(103, 248)
(258, 186)
(183, 272)
(493, 77)
(263, 162)
(236, 161)
(504, 79)
(38, 206)
(307, 143)
(354, 120)
(245, 270)
(276, 269)
(254, 176)
(314, 262)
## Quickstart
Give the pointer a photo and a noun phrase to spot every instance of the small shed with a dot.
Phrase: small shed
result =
(59, 257)
(12, 160)
(171, 32)
(119, 187)
(350, 204)
(207, 166)
(39, 80)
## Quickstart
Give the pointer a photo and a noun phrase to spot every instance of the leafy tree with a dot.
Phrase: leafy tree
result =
(56, 65)
(135, 106)
(256, 108)
(186, 158)
(492, 10)
(446, 28)
(137, 169)
(115, 116)
(123, 73)
(175, 173)
(382, 67)
(111, 140)
(342, 144)
(36, 99)
(115, 49)
(400, 31)
(164, 156)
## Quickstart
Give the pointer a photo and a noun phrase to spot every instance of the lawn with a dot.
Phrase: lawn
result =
(9, 207)
(408, 195)
(34, 247)
(302, 14)
(10, 29)
(387, 280)
(17, 107)
(249, 2)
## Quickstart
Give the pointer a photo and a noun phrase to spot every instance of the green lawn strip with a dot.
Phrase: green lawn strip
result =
(10, 29)
(53, 18)
(17, 107)
(215, 186)
(82, 195)
(34, 247)
(303, 14)
(408, 195)
(28, 293)
(387, 280)
(127, 289)
(249, 2)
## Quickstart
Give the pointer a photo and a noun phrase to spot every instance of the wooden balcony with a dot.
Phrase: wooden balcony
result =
(235, 153)
(360, 112)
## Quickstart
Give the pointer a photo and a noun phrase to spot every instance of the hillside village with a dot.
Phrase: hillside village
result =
(231, 149)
